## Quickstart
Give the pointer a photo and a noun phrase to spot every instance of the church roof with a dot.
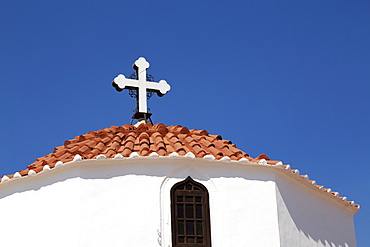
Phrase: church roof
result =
(153, 140)
(143, 140)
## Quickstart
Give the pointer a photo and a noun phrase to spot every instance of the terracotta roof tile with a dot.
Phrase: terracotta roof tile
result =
(126, 152)
(163, 140)
(110, 153)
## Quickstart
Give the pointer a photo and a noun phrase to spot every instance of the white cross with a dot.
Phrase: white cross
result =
(121, 82)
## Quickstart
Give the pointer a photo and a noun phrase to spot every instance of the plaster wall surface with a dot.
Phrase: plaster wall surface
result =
(308, 218)
(127, 203)
(41, 210)
(242, 202)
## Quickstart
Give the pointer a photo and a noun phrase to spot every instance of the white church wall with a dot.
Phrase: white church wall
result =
(42, 210)
(309, 218)
(242, 202)
(120, 204)
(127, 203)
(139, 194)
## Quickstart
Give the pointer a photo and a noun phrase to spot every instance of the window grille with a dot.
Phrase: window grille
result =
(190, 214)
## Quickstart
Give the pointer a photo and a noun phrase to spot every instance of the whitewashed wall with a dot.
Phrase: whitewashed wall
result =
(308, 218)
(127, 203)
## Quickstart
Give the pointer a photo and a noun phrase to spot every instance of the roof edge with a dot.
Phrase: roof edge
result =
(294, 173)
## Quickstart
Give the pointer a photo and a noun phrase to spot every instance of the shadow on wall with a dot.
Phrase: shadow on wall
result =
(306, 216)
(36, 182)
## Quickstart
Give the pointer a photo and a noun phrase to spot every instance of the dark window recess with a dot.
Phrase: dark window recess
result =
(190, 214)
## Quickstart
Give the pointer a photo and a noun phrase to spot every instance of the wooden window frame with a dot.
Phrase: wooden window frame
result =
(199, 224)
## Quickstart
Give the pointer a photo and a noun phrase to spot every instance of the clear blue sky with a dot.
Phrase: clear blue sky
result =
(286, 78)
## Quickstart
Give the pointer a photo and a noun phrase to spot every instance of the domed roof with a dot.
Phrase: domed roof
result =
(144, 140)
(155, 140)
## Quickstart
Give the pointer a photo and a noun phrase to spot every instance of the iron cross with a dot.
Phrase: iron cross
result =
(141, 84)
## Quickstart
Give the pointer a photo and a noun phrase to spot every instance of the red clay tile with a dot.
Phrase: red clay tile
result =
(205, 143)
(263, 156)
(111, 153)
(126, 152)
(161, 151)
(144, 139)
(100, 146)
(115, 145)
(215, 152)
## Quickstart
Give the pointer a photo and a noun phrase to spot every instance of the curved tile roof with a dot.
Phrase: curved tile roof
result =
(159, 139)
(144, 140)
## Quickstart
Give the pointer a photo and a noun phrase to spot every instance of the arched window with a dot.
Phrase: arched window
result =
(190, 214)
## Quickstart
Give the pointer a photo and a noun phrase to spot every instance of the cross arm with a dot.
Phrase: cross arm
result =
(161, 87)
(121, 82)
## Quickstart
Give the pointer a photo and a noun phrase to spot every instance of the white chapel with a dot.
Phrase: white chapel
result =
(153, 185)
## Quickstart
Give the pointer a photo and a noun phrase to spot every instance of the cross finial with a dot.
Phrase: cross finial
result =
(141, 85)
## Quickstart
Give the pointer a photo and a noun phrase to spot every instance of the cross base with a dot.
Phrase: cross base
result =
(141, 116)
